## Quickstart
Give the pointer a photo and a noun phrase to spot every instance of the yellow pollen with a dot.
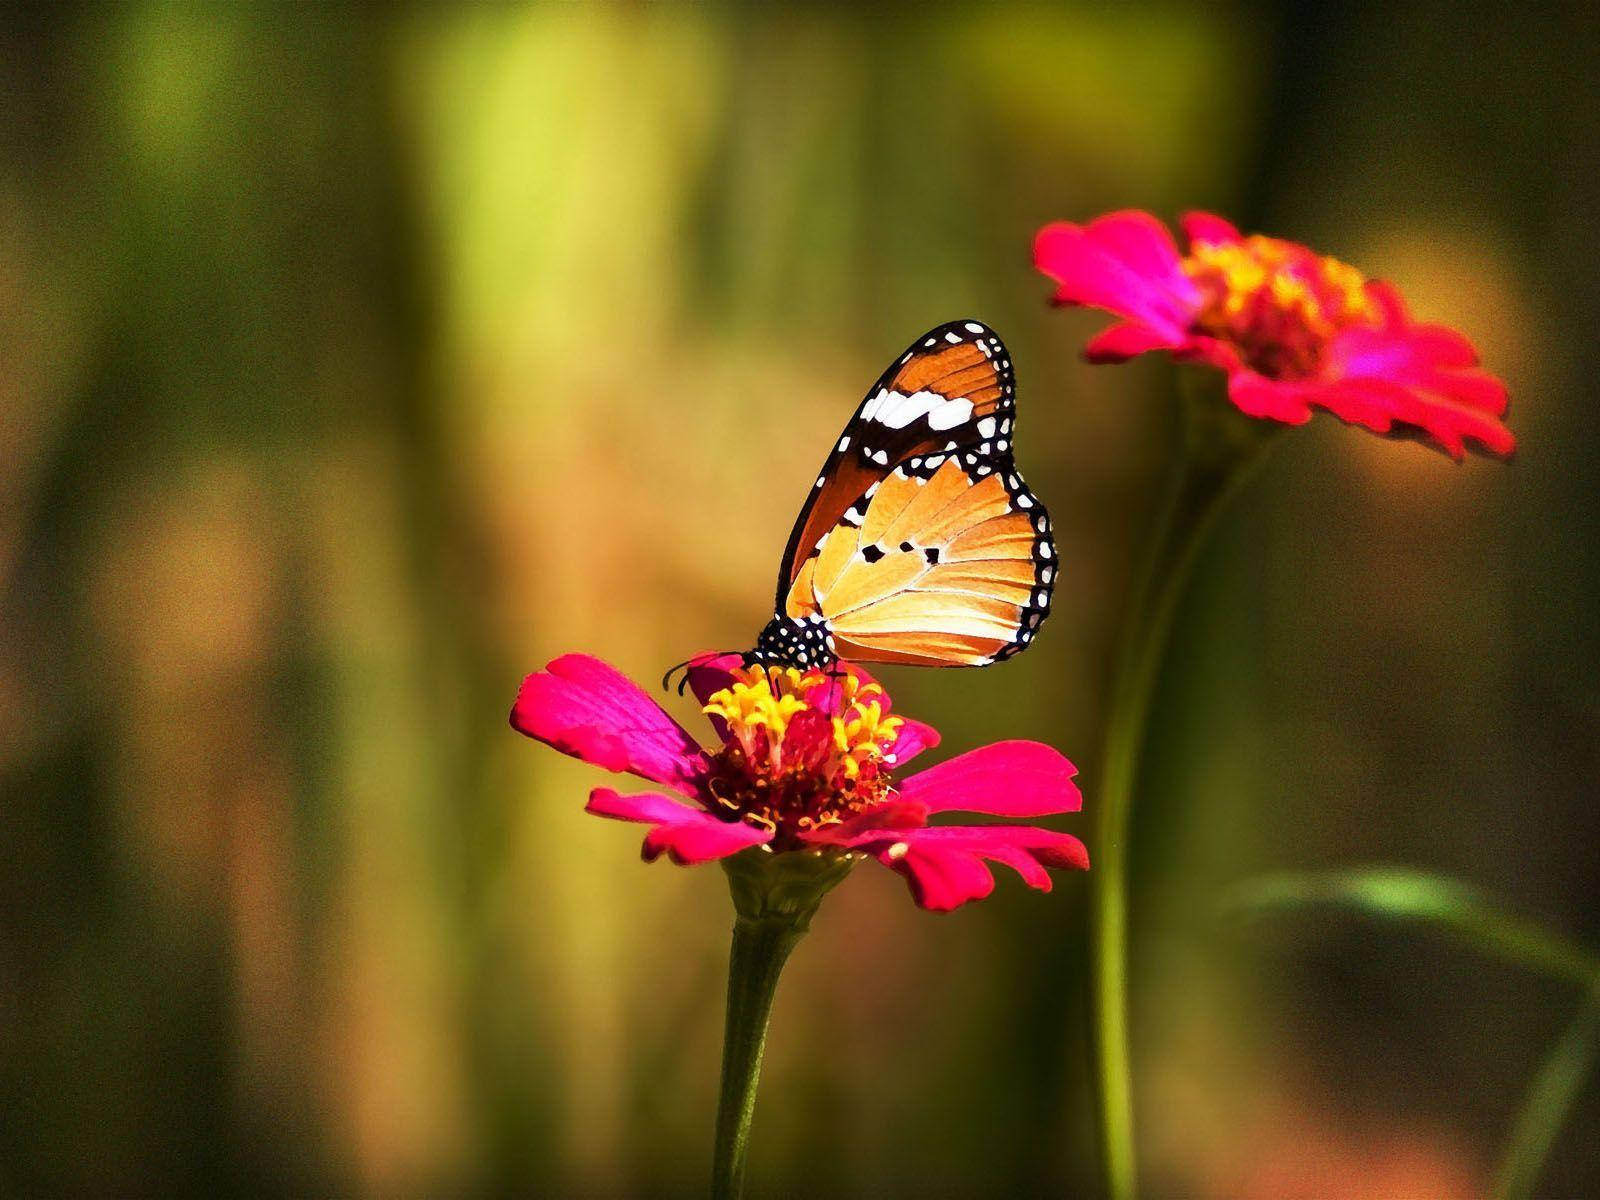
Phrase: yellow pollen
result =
(794, 780)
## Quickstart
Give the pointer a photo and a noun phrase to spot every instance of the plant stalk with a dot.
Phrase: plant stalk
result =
(1549, 1102)
(760, 948)
(774, 898)
(1219, 446)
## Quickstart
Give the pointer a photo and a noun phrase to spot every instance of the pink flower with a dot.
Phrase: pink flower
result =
(806, 763)
(1293, 330)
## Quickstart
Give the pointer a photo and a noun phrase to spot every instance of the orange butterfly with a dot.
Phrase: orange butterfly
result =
(920, 542)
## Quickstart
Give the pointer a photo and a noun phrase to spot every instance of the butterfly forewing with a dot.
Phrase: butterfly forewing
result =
(920, 542)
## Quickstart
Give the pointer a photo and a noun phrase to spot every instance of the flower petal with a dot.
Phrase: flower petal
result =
(686, 835)
(1208, 227)
(945, 866)
(1270, 399)
(1423, 378)
(711, 671)
(885, 822)
(914, 737)
(1125, 263)
(1007, 779)
(590, 710)
(1121, 342)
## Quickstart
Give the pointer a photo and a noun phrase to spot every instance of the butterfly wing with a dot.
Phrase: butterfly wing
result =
(920, 542)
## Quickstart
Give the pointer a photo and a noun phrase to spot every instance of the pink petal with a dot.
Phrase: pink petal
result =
(687, 835)
(830, 697)
(1125, 263)
(1425, 379)
(590, 710)
(1138, 239)
(885, 822)
(1007, 779)
(1391, 305)
(945, 866)
(1213, 352)
(712, 671)
(1122, 342)
(1270, 399)
(1207, 227)
(913, 738)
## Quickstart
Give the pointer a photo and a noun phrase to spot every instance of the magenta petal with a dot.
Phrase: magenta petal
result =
(687, 835)
(1391, 305)
(1007, 779)
(1423, 378)
(829, 698)
(884, 823)
(590, 710)
(912, 739)
(712, 671)
(945, 866)
(1122, 342)
(1138, 239)
(1270, 399)
(1125, 263)
(1208, 227)
(941, 881)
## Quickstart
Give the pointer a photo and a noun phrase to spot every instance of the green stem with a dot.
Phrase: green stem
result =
(760, 948)
(774, 898)
(1549, 1101)
(1219, 445)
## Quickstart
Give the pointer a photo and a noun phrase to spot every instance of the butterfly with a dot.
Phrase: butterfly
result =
(919, 543)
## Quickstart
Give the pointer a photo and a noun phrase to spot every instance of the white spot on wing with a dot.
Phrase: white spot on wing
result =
(898, 410)
(986, 427)
(973, 327)
(950, 414)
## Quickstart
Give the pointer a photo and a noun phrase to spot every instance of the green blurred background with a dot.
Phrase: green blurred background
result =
(357, 362)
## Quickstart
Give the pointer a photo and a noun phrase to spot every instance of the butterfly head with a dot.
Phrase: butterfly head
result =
(791, 642)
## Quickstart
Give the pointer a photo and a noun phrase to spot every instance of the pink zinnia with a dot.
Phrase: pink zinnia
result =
(807, 763)
(1292, 329)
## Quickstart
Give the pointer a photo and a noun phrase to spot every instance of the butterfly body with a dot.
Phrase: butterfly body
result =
(919, 543)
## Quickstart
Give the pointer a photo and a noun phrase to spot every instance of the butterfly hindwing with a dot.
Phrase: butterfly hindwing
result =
(921, 543)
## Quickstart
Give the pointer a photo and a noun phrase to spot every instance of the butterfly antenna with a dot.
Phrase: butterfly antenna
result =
(666, 680)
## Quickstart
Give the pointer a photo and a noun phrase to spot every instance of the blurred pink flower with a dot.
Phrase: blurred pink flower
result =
(1292, 329)
(806, 763)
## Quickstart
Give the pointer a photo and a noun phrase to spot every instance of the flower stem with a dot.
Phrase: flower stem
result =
(760, 949)
(1549, 1101)
(774, 896)
(1219, 444)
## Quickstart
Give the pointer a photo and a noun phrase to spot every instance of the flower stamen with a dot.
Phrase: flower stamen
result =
(1276, 303)
(804, 749)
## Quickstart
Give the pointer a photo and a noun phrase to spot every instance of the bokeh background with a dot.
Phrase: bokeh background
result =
(353, 363)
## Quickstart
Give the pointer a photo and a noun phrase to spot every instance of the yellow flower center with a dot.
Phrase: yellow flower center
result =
(1275, 302)
(803, 748)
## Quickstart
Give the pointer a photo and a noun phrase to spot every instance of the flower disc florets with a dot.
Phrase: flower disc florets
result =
(1276, 302)
(803, 749)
